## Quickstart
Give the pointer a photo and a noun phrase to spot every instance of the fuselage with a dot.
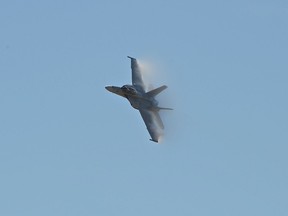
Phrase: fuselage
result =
(137, 98)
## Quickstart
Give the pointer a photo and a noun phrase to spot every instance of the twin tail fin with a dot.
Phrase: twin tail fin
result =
(156, 91)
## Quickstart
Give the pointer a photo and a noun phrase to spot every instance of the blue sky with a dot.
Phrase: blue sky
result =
(69, 147)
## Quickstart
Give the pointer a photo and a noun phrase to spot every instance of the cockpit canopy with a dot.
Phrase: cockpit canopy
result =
(129, 89)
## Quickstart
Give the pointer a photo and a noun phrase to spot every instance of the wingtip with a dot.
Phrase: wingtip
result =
(130, 57)
(154, 140)
(159, 141)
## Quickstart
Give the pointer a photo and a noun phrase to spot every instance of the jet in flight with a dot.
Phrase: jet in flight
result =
(143, 100)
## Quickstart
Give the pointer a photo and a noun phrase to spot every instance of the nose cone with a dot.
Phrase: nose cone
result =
(109, 88)
(115, 90)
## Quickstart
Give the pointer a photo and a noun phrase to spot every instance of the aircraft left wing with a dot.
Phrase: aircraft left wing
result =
(153, 123)
(136, 74)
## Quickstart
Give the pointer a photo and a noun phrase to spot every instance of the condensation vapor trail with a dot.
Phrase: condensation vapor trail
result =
(151, 73)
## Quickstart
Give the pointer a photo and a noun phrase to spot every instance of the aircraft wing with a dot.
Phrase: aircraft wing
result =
(153, 123)
(136, 74)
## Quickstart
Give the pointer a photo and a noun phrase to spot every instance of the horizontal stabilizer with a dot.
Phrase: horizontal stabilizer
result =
(156, 91)
(163, 108)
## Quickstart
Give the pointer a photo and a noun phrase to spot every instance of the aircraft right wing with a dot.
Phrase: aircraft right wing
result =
(153, 123)
(136, 74)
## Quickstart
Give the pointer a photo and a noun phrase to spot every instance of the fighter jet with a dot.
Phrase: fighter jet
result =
(143, 101)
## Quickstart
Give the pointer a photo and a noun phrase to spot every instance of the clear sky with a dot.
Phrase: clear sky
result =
(69, 147)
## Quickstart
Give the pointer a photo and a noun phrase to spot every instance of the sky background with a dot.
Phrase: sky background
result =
(69, 147)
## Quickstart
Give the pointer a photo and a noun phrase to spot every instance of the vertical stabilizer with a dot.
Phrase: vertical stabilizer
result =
(156, 91)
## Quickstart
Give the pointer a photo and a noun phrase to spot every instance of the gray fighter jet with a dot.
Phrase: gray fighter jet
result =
(143, 101)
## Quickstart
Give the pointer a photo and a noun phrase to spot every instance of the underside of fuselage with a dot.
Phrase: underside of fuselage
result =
(139, 102)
